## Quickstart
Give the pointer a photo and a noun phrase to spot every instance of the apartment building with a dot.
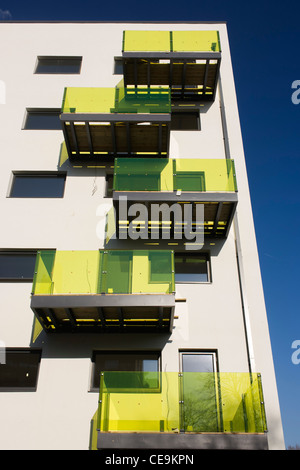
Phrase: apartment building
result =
(132, 309)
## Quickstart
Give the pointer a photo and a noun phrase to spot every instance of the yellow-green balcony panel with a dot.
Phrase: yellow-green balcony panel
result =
(186, 61)
(104, 290)
(99, 123)
(181, 411)
(187, 181)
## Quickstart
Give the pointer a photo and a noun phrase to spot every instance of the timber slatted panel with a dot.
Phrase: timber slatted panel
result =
(160, 73)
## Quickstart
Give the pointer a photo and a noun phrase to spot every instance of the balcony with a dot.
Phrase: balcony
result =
(114, 291)
(187, 182)
(186, 61)
(167, 410)
(100, 123)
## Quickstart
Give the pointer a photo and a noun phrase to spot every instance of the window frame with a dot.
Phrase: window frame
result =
(42, 174)
(94, 387)
(56, 57)
(36, 111)
(199, 352)
(192, 255)
(10, 388)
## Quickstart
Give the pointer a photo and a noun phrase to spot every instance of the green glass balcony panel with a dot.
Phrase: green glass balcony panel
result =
(67, 272)
(192, 41)
(191, 175)
(100, 271)
(143, 174)
(171, 41)
(84, 100)
(146, 41)
(188, 402)
(42, 280)
(138, 271)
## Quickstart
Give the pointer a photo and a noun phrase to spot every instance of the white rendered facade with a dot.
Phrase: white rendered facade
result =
(226, 315)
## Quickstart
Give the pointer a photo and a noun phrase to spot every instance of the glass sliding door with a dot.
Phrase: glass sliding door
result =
(199, 392)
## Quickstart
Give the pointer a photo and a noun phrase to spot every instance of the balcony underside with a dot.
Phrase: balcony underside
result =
(182, 441)
(91, 137)
(115, 313)
(187, 80)
(219, 210)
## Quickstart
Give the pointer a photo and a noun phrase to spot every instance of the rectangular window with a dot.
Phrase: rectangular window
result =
(185, 121)
(42, 119)
(36, 184)
(58, 65)
(19, 370)
(198, 361)
(123, 361)
(17, 265)
(118, 66)
(192, 268)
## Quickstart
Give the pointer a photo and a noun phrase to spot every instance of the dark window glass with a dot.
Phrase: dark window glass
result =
(185, 121)
(20, 369)
(109, 185)
(43, 119)
(63, 65)
(38, 185)
(191, 268)
(118, 67)
(124, 361)
(17, 266)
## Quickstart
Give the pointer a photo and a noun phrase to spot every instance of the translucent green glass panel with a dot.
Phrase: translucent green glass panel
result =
(67, 272)
(215, 175)
(116, 100)
(171, 41)
(189, 402)
(146, 41)
(143, 174)
(138, 271)
(193, 41)
(42, 281)
(110, 272)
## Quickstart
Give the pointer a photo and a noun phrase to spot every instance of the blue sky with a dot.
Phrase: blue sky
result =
(264, 40)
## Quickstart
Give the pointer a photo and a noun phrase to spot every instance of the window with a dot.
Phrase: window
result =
(58, 65)
(118, 66)
(20, 369)
(192, 267)
(17, 265)
(35, 184)
(42, 119)
(198, 361)
(123, 361)
(185, 121)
